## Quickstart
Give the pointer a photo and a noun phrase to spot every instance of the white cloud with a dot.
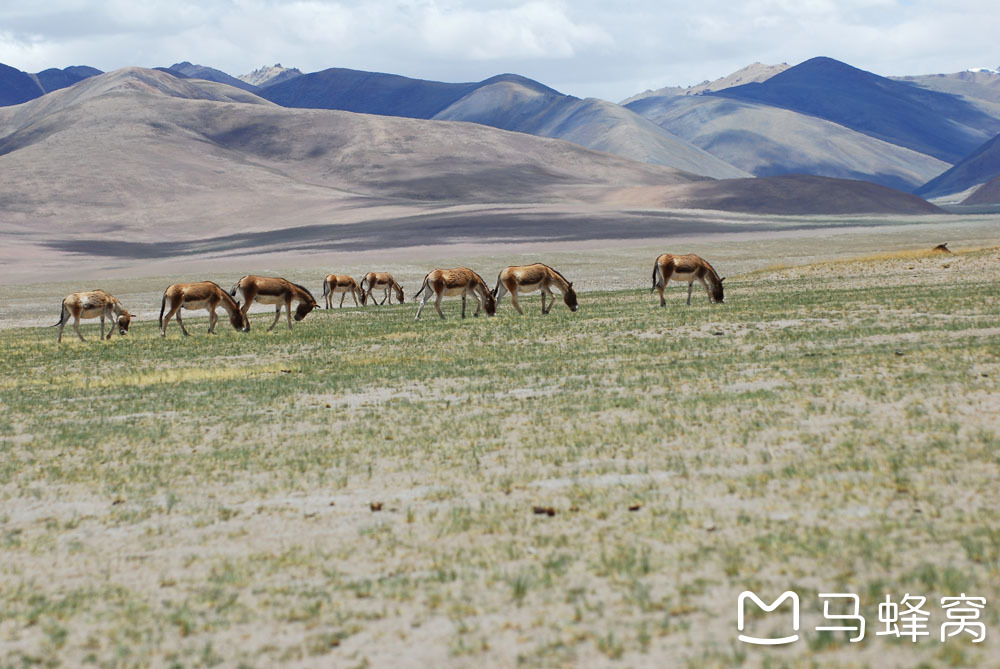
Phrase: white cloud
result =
(584, 47)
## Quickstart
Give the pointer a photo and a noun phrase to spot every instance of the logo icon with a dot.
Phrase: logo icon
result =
(746, 594)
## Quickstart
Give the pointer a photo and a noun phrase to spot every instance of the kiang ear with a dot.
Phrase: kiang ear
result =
(722, 279)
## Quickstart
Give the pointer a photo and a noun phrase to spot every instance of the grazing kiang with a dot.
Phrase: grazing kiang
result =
(382, 280)
(528, 278)
(340, 283)
(462, 281)
(199, 295)
(277, 291)
(688, 268)
(93, 304)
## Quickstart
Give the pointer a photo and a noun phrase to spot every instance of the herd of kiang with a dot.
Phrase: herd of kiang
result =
(438, 284)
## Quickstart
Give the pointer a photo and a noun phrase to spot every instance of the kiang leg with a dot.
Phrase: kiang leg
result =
(102, 326)
(166, 319)
(277, 315)
(180, 321)
(513, 300)
(690, 288)
(288, 312)
(213, 318)
(424, 300)
(76, 327)
(463, 305)
(437, 304)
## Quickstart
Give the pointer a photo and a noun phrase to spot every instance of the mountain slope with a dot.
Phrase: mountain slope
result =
(988, 193)
(209, 74)
(979, 167)
(798, 194)
(17, 86)
(937, 124)
(507, 101)
(769, 141)
(595, 124)
(754, 73)
(367, 92)
(263, 77)
(976, 85)
(146, 154)
(125, 81)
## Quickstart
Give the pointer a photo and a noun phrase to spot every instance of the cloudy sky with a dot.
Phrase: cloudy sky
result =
(586, 48)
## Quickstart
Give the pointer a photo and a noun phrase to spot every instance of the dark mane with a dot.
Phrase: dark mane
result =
(559, 274)
(304, 289)
(715, 275)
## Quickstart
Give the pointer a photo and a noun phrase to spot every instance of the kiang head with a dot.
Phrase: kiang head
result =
(490, 303)
(305, 306)
(123, 323)
(569, 297)
(399, 292)
(717, 291)
(238, 320)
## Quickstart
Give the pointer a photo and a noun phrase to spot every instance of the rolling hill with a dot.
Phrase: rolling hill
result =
(17, 86)
(979, 167)
(521, 106)
(988, 193)
(770, 141)
(138, 164)
(937, 124)
(142, 149)
(509, 102)
(798, 194)
(192, 71)
(755, 73)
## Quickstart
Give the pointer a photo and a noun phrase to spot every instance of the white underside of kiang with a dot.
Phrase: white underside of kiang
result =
(684, 276)
(270, 299)
(340, 289)
(529, 287)
(92, 311)
(195, 305)
(452, 292)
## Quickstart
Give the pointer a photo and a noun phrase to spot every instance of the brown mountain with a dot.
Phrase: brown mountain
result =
(988, 193)
(797, 194)
(138, 164)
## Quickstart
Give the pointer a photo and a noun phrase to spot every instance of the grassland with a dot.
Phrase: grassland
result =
(592, 488)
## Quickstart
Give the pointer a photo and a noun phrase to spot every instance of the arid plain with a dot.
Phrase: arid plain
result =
(579, 489)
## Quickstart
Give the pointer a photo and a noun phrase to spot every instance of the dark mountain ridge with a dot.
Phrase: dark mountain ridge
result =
(938, 124)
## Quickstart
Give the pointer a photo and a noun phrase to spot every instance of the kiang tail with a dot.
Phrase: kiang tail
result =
(62, 316)
(423, 287)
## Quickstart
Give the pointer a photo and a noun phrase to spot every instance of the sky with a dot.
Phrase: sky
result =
(586, 48)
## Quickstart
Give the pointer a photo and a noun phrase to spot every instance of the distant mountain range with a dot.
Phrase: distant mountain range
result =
(928, 134)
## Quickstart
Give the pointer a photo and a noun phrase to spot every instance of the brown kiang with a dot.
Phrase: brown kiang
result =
(460, 281)
(277, 291)
(200, 295)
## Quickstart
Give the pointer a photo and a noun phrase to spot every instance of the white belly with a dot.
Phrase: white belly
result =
(529, 287)
(196, 304)
(91, 312)
(270, 299)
